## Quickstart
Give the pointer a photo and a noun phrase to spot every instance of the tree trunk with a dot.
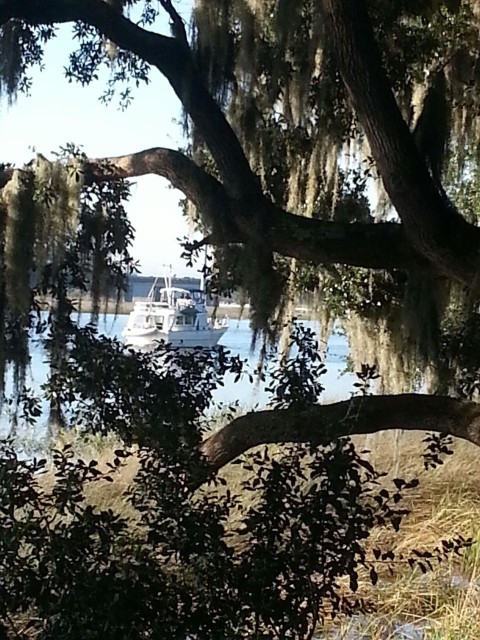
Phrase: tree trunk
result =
(432, 225)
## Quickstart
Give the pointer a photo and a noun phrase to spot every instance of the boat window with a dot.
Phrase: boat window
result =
(139, 322)
(188, 319)
(179, 320)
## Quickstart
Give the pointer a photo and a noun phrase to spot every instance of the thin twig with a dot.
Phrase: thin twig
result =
(190, 247)
(177, 25)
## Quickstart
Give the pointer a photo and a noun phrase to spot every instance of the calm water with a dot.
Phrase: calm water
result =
(237, 339)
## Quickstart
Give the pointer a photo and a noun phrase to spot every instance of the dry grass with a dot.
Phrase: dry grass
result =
(429, 609)
(445, 503)
(102, 494)
(444, 603)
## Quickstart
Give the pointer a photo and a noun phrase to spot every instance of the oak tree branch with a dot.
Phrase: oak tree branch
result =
(376, 246)
(361, 415)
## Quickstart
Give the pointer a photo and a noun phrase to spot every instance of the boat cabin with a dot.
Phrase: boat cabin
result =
(173, 296)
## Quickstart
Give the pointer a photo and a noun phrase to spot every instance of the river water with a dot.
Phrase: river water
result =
(338, 384)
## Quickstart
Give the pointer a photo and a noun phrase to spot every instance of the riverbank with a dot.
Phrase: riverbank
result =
(233, 311)
(441, 604)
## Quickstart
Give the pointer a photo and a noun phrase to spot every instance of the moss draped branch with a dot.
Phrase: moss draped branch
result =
(378, 246)
(433, 229)
(433, 226)
(324, 423)
(228, 219)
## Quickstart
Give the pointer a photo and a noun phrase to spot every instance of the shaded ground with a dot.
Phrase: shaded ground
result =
(440, 605)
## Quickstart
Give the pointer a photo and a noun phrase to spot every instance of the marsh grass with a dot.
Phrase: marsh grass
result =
(101, 494)
(442, 604)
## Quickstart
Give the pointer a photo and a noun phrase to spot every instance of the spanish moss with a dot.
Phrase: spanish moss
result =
(270, 64)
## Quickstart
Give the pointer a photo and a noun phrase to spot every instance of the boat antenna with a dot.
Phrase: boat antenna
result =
(203, 272)
(167, 277)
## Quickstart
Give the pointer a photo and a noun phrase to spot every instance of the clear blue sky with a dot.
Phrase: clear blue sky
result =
(57, 112)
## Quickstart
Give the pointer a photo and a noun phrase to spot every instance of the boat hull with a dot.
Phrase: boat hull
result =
(205, 338)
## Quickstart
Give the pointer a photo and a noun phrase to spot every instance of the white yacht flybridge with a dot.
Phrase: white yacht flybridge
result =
(174, 315)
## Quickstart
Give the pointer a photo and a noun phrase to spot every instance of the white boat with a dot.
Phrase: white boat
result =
(173, 315)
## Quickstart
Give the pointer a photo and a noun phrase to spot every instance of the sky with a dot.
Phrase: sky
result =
(57, 112)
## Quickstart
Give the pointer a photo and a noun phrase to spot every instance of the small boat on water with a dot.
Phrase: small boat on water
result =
(176, 316)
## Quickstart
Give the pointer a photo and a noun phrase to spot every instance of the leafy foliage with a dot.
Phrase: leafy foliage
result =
(186, 558)
(21, 47)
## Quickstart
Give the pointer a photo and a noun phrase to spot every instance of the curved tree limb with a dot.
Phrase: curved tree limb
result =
(323, 423)
(172, 58)
(201, 188)
(376, 246)
(433, 226)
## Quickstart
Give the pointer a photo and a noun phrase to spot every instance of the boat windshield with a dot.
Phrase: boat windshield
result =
(139, 322)
(171, 296)
(197, 296)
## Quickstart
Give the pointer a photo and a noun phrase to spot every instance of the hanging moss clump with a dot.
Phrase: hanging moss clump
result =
(99, 272)
(58, 237)
(19, 203)
(11, 63)
(271, 65)
(58, 187)
(3, 297)
(40, 213)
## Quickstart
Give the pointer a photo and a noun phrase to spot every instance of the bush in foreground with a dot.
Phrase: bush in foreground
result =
(267, 561)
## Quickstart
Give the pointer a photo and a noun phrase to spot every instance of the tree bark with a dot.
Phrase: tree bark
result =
(433, 226)
(323, 423)
(375, 246)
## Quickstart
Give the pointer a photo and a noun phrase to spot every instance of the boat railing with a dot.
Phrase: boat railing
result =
(146, 307)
